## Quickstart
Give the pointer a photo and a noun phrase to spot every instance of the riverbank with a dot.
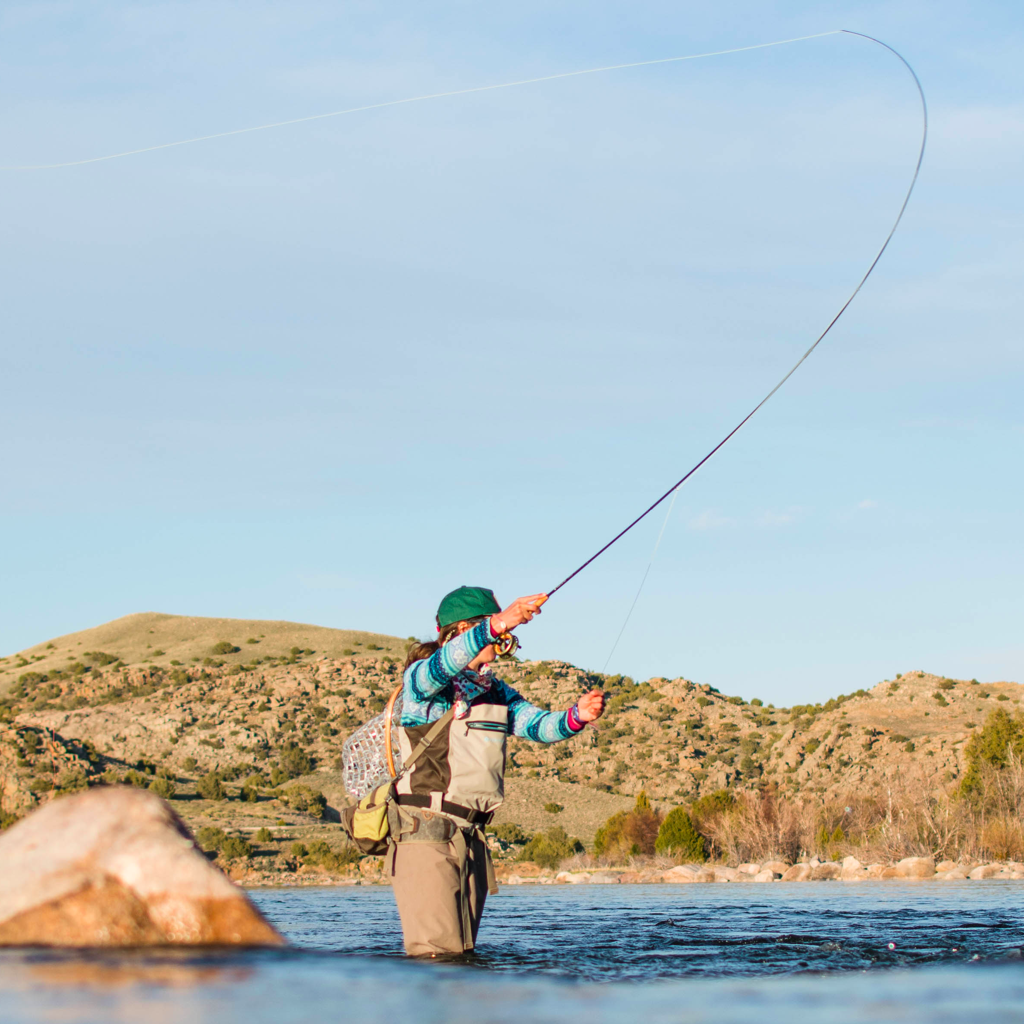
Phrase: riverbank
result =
(371, 871)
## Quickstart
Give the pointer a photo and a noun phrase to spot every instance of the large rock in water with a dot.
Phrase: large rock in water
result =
(115, 866)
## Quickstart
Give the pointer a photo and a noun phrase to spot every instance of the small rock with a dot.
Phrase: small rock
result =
(825, 872)
(681, 873)
(798, 873)
(115, 866)
(572, 877)
(916, 867)
(983, 871)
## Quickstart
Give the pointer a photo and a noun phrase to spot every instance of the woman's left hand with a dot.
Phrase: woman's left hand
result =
(590, 706)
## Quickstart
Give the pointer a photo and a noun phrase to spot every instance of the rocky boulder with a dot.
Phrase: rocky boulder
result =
(798, 873)
(916, 867)
(853, 870)
(825, 872)
(115, 866)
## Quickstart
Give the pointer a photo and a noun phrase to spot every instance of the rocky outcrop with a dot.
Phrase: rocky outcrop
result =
(115, 866)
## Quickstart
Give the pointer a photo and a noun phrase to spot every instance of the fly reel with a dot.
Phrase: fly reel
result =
(506, 644)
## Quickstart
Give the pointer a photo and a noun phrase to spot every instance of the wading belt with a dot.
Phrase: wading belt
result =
(477, 818)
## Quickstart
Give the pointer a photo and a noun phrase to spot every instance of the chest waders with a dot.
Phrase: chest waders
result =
(447, 795)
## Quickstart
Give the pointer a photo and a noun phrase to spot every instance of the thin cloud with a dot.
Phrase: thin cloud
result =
(790, 515)
(709, 520)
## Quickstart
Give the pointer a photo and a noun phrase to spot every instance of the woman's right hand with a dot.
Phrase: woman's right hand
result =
(521, 610)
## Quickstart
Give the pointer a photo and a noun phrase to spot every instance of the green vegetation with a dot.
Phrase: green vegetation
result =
(990, 751)
(216, 840)
(509, 832)
(553, 808)
(210, 787)
(302, 798)
(550, 848)
(628, 833)
(677, 836)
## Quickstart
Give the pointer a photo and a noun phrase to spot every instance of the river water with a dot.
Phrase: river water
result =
(815, 952)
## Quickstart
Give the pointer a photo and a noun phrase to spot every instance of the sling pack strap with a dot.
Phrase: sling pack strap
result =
(389, 713)
(456, 810)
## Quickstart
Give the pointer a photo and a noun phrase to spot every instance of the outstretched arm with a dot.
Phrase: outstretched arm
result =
(531, 722)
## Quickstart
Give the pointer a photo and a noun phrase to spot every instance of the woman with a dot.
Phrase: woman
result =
(459, 716)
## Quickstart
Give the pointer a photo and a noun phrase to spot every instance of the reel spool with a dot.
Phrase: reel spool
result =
(506, 644)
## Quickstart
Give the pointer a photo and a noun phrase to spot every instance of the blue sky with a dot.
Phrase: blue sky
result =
(330, 371)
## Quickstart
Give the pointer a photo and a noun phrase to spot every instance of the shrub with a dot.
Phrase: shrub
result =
(210, 838)
(554, 808)
(210, 787)
(163, 787)
(629, 832)
(678, 836)
(100, 657)
(224, 647)
(703, 701)
(712, 805)
(235, 848)
(509, 832)
(263, 835)
(551, 848)
(302, 798)
(295, 761)
(298, 850)
(190, 764)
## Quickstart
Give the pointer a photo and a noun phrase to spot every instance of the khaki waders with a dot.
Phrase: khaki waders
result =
(440, 884)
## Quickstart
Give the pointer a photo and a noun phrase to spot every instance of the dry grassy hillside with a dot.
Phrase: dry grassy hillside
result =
(250, 738)
(153, 638)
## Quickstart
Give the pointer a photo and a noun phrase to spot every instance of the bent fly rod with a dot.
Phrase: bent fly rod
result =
(842, 309)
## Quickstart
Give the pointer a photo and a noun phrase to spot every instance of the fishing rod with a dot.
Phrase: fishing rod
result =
(746, 419)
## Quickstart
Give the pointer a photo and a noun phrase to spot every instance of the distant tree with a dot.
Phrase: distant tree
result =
(678, 836)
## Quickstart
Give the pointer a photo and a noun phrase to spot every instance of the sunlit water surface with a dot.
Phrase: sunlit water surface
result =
(824, 952)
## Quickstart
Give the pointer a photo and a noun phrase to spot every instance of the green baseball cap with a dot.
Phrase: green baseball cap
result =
(466, 603)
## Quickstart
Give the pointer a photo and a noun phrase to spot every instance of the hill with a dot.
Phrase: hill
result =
(262, 708)
(154, 638)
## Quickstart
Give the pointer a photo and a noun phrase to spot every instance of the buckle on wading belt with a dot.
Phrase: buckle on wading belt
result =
(455, 810)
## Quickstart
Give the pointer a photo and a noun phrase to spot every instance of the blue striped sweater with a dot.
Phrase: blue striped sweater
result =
(429, 691)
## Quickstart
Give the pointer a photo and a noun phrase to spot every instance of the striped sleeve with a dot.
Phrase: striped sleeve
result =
(427, 679)
(534, 723)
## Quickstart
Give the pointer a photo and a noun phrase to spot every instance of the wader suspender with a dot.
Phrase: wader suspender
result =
(459, 839)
